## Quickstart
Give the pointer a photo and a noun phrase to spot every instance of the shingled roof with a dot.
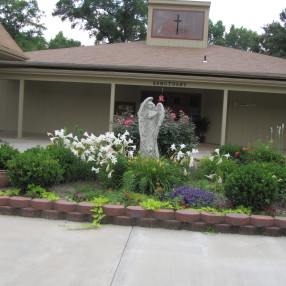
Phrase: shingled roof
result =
(9, 50)
(139, 56)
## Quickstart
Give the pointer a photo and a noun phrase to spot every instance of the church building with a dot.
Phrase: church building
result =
(242, 93)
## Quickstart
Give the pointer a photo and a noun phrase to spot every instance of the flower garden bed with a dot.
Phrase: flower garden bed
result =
(139, 216)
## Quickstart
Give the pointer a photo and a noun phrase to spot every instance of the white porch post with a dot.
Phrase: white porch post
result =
(111, 107)
(224, 115)
(21, 109)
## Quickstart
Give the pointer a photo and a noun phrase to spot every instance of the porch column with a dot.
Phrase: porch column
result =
(21, 109)
(111, 107)
(224, 115)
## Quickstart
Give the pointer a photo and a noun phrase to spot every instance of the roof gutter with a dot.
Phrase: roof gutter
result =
(15, 56)
(145, 69)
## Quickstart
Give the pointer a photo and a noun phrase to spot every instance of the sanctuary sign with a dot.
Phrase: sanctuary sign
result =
(169, 83)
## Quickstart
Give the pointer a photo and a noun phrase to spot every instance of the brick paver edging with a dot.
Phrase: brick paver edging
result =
(139, 216)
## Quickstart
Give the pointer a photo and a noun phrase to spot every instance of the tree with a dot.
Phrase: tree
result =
(242, 39)
(273, 41)
(60, 41)
(216, 33)
(21, 19)
(108, 20)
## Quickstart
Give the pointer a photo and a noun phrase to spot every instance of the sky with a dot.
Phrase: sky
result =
(250, 14)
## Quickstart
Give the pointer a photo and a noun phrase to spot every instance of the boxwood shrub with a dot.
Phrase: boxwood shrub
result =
(252, 185)
(34, 166)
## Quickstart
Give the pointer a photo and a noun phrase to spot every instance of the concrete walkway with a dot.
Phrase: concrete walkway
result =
(38, 252)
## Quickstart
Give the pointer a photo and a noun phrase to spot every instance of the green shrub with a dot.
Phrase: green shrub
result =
(230, 149)
(7, 152)
(115, 181)
(251, 185)
(219, 165)
(74, 168)
(34, 166)
(152, 176)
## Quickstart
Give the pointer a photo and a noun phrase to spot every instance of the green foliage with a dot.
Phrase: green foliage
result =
(176, 129)
(152, 176)
(10, 193)
(60, 41)
(39, 192)
(251, 185)
(242, 39)
(152, 204)
(237, 210)
(273, 41)
(21, 19)
(216, 33)
(108, 21)
(34, 166)
(7, 152)
(218, 167)
(115, 181)
(230, 149)
(74, 168)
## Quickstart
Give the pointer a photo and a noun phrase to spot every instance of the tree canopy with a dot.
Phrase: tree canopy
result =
(60, 41)
(21, 19)
(108, 20)
(273, 41)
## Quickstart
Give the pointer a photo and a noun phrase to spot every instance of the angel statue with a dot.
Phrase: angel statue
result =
(150, 120)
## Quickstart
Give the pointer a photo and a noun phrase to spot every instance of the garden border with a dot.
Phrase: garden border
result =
(139, 216)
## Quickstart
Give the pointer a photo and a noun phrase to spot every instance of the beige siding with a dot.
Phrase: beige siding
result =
(212, 108)
(9, 98)
(252, 115)
(52, 105)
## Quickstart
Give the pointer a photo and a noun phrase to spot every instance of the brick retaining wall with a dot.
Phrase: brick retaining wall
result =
(139, 216)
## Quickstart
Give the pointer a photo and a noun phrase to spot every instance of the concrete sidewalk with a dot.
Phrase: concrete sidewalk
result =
(37, 252)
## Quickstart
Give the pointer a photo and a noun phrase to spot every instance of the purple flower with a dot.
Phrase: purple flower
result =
(193, 197)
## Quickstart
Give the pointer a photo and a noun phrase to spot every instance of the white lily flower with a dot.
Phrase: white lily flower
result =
(185, 172)
(227, 155)
(49, 134)
(90, 159)
(212, 158)
(192, 162)
(113, 160)
(195, 151)
(219, 180)
(110, 174)
(85, 134)
(217, 151)
(220, 161)
(188, 153)
(130, 154)
(96, 170)
(173, 147)
(182, 146)
(180, 155)
(107, 168)
(75, 152)
(211, 176)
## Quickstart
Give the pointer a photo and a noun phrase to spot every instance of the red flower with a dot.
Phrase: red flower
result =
(236, 154)
(245, 149)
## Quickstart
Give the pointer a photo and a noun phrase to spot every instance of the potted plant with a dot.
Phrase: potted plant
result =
(202, 126)
(7, 153)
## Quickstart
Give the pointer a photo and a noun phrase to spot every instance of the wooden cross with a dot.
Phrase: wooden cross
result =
(178, 21)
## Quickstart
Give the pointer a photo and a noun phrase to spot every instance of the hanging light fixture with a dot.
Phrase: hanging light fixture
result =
(161, 97)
